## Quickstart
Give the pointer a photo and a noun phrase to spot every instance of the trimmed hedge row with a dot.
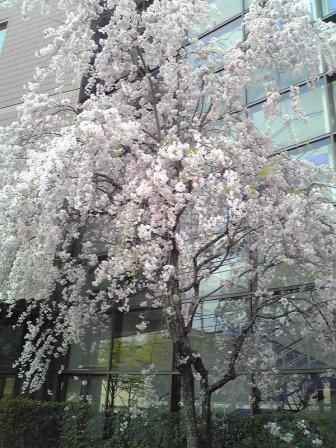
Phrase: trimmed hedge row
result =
(26, 423)
(236, 431)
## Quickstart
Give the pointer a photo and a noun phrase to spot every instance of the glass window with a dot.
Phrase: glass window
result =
(283, 79)
(313, 392)
(206, 318)
(3, 28)
(216, 324)
(228, 279)
(325, 7)
(228, 36)
(286, 274)
(91, 389)
(205, 326)
(120, 391)
(226, 9)
(7, 386)
(127, 391)
(320, 153)
(10, 345)
(235, 396)
(314, 123)
(94, 354)
(134, 350)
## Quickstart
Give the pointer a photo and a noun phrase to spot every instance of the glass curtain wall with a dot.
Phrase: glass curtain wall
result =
(10, 346)
(115, 366)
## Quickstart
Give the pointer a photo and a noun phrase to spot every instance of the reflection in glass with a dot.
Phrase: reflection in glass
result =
(313, 392)
(205, 326)
(226, 279)
(216, 324)
(301, 354)
(74, 390)
(285, 274)
(94, 354)
(234, 396)
(314, 105)
(7, 384)
(92, 390)
(226, 9)
(10, 344)
(283, 80)
(319, 153)
(227, 35)
(326, 6)
(134, 350)
(3, 30)
(129, 391)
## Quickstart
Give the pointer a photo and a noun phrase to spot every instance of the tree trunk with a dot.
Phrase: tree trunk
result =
(256, 395)
(206, 421)
(188, 394)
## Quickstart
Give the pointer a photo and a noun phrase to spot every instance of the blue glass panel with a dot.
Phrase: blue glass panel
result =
(320, 153)
(328, 6)
(2, 38)
(313, 102)
(227, 35)
(226, 9)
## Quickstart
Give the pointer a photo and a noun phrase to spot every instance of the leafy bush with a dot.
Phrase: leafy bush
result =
(159, 431)
(26, 423)
(289, 430)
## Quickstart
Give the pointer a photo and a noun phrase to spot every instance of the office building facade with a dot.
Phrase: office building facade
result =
(113, 367)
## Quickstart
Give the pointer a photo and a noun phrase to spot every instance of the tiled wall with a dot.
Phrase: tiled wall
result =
(18, 57)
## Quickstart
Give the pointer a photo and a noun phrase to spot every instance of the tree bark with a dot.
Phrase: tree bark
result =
(206, 420)
(188, 394)
(183, 351)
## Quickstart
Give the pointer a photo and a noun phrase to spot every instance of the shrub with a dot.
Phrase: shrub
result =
(26, 423)
(236, 431)
(158, 431)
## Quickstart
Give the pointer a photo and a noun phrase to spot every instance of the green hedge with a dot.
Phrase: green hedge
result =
(26, 423)
(158, 431)
(236, 431)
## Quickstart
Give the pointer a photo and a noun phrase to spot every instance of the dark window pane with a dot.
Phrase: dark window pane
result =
(312, 392)
(10, 345)
(7, 386)
(129, 391)
(134, 350)
(94, 354)
(92, 390)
